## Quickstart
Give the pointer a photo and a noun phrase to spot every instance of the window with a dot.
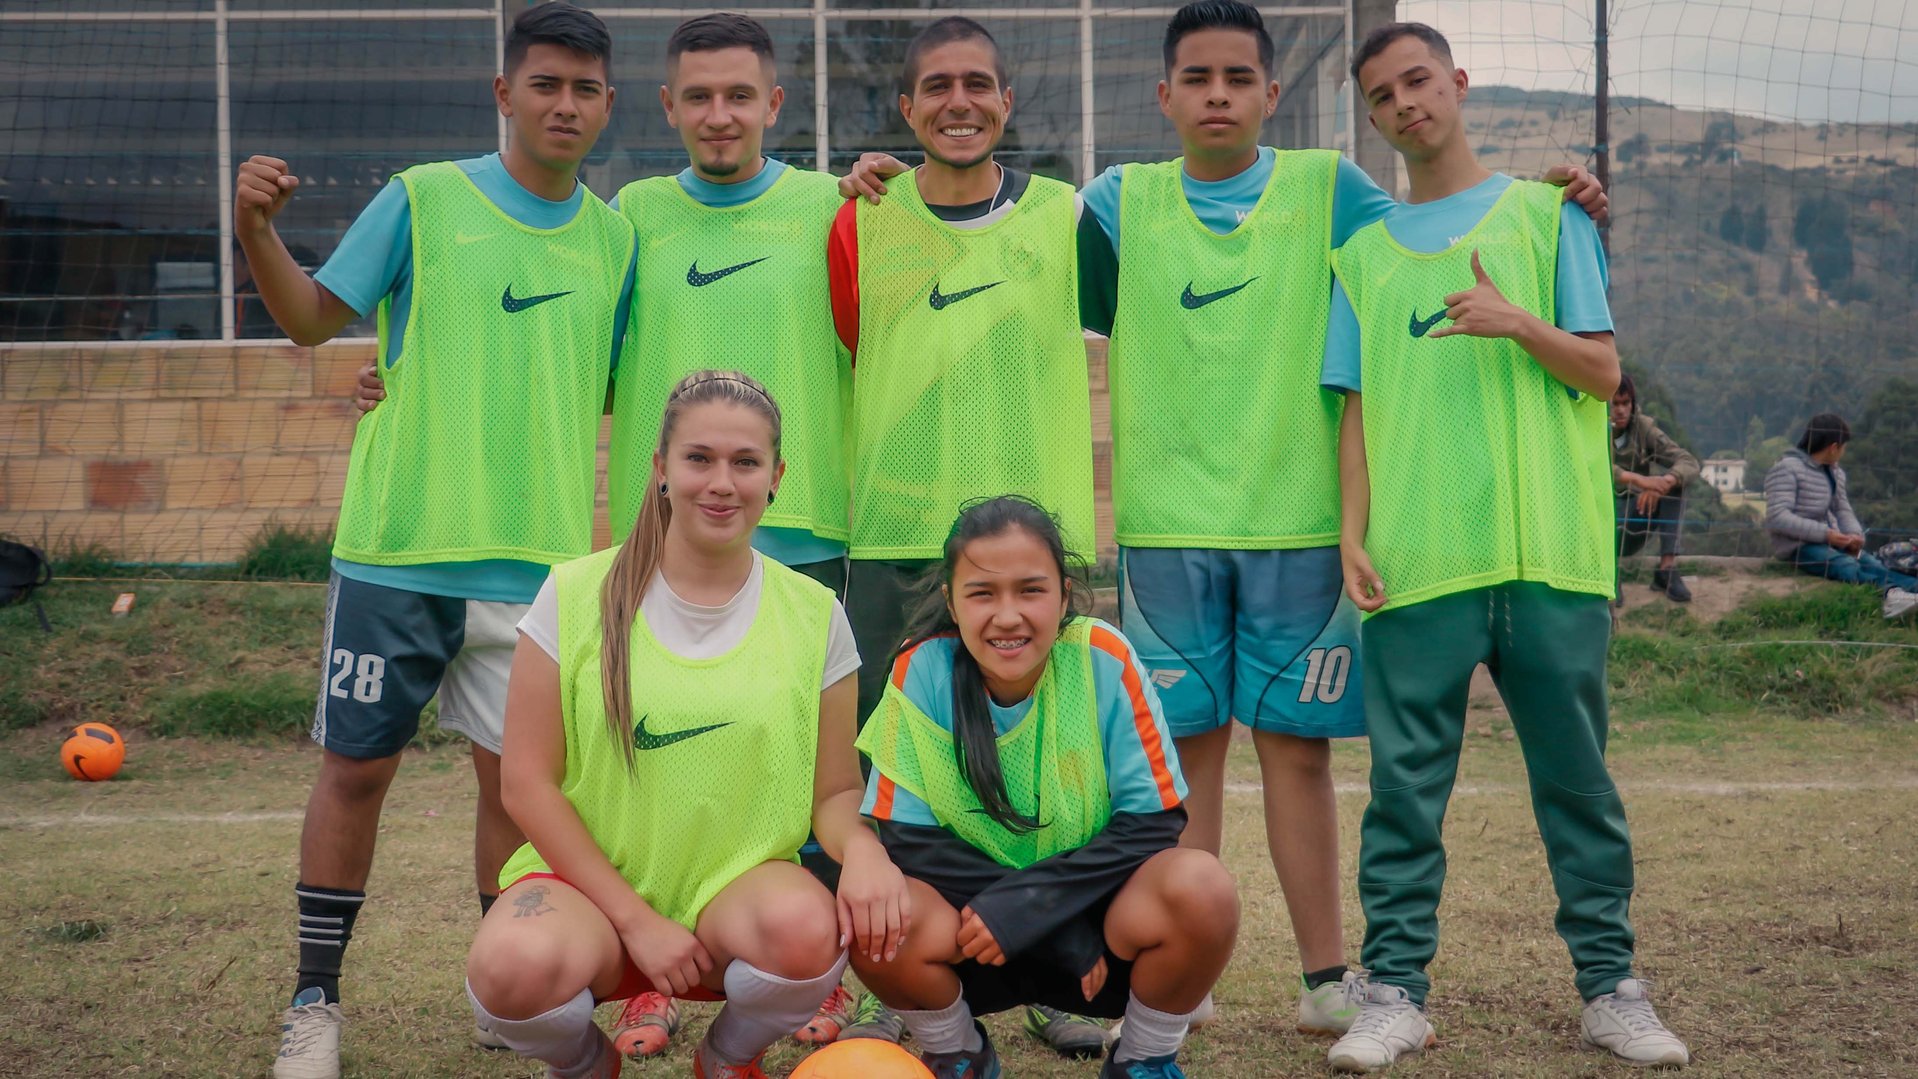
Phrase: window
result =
(121, 129)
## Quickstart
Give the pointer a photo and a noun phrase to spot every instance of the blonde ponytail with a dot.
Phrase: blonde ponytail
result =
(639, 557)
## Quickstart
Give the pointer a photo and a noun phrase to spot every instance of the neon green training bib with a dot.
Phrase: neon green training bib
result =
(971, 370)
(486, 444)
(1222, 436)
(725, 747)
(1054, 760)
(1484, 468)
(746, 287)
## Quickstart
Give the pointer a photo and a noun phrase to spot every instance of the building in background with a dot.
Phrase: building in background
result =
(125, 119)
(1727, 474)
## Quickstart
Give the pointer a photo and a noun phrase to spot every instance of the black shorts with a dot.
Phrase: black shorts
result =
(1030, 981)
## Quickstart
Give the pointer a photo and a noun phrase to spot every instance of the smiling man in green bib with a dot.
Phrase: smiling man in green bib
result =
(1473, 342)
(500, 284)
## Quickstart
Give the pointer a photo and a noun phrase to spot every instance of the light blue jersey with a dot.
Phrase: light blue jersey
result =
(374, 261)
(1583, 277)
(1220, 205)
(1127, 708)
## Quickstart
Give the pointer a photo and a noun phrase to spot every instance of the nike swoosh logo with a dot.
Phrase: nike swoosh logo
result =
(941, 301)
(1420, 326)
(645, 739)
(514, 306)
(1192, 302)
(701, 280)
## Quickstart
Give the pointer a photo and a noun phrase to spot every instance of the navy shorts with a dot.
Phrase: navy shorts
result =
(388, 651)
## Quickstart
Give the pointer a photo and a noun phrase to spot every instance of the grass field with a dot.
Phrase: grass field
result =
(146, 926)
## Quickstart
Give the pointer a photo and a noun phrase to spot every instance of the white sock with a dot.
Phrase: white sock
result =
(565, 1038)
(948, 1030)
(1149, 1032)
(762, 1008)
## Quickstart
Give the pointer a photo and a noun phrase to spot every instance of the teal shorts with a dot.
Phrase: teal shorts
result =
(1266, 636)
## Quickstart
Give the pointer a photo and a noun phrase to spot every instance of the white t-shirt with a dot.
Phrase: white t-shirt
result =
(691, 631)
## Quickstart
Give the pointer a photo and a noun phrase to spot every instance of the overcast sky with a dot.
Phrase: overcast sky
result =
(1851, 61)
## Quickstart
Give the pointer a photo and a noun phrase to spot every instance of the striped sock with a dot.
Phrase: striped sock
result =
(326, 925)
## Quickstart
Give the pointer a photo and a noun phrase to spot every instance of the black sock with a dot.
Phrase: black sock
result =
(1316, 978)
(326, 925)
(486, 903)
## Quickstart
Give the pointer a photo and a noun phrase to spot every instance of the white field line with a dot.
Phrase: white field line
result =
(1655, 786)
(87, 818)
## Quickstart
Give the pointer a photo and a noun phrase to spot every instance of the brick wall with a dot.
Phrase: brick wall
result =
(172, 454)
(184, 454)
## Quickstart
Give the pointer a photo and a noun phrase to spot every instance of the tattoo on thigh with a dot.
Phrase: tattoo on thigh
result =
(531, 903)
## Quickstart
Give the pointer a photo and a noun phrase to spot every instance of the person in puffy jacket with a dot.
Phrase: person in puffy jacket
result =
(1812, 526)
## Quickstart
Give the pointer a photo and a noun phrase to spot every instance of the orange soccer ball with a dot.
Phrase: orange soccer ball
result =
(94, 752)
(861, 1058)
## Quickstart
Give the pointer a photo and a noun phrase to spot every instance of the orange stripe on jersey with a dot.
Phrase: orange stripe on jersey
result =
(905, 660)
(1113, 645)
(882, 800)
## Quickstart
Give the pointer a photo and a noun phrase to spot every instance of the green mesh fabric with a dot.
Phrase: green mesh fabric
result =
(725, 747)
(1221, 434)
(971, 369)
(1484, 468)
(740, 287)
(485, 444)
(1054, 761)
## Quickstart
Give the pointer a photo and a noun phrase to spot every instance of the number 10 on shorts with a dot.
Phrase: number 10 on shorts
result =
(1325, 673)
(368, 672)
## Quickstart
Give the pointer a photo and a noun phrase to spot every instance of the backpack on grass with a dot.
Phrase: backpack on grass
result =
(23, 569)
(1900, 556)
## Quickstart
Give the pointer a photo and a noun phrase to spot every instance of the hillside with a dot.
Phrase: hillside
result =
(1760, 269)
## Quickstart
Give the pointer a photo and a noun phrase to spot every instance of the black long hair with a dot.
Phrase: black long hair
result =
(1824, 430)
(975, 741)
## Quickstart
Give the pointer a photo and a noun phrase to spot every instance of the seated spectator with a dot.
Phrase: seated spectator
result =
(1811, 523)
(1649, 472)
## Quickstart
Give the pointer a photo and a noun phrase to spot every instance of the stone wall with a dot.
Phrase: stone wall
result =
(185, 453)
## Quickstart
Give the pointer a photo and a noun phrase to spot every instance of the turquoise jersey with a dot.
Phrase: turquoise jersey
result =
(374, 260)
(1583, 278)
(1221, 204)
(1127, 706)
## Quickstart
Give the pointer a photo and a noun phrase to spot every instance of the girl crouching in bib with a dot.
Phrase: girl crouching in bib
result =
(680, 715)
(1025, 781)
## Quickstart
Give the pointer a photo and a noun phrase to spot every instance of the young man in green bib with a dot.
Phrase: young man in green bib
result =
(957, 298)
(1224, 483)
(501, 286)
(732, 257)
(1472, 340)
(733, 260)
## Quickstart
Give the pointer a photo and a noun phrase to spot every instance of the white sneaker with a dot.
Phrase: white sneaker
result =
(309, 1039)
(1623, 1022)
(1387, 1027)
(1331, 1007)
(1900, 602)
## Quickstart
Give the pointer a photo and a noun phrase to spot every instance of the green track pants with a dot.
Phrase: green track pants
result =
(1546, 653)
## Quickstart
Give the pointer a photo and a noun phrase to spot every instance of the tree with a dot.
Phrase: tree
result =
(1760, 458)
(1823, 229)
(1882, 463)
(1731, 225)
(1757, 229)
